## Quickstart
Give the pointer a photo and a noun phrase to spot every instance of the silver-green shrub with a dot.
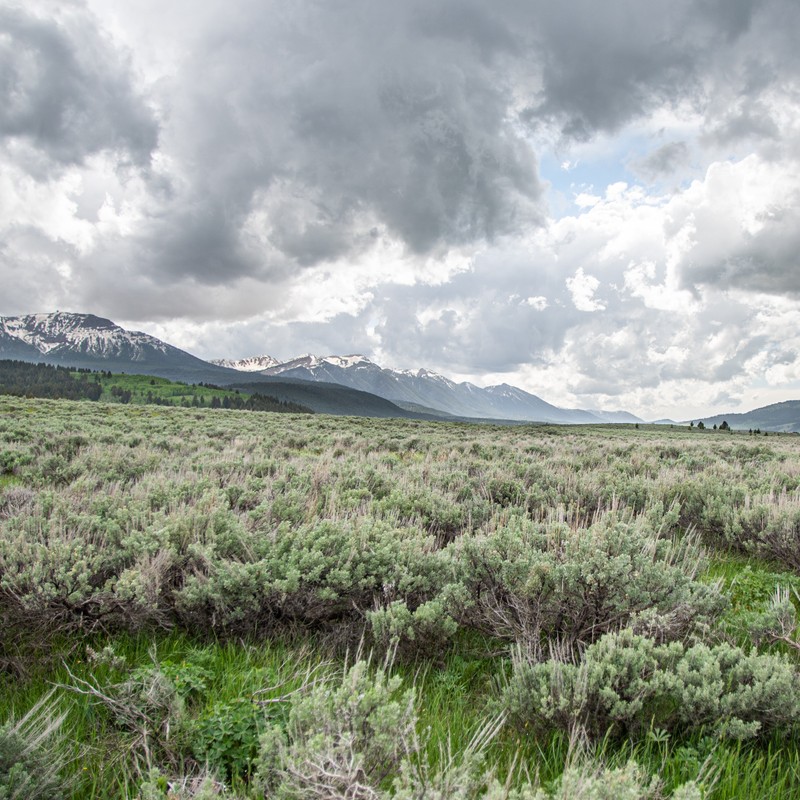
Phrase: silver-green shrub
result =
(530, 582)
(589, 781)
(425, 630)
(768, 526)
(157, 786)
(328, 571)
(357, 738)
(627, 683)
(778, 622)
(341, 740)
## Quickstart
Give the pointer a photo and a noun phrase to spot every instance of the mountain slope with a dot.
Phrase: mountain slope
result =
(13, 348)
(327, 398)
(85, 340)
(776, 417)
(425, 389)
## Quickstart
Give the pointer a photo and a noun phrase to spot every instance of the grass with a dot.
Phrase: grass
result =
(453, 700)
(144, 389)
(101, 471)
(97, 750)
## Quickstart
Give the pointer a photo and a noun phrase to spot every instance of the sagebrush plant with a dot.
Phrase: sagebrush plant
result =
(341, 740)
(168, 509)
(348, 737)
(768, 525)
(629, 684)
(778, 622)
(203, 786)
(425, 630)
(533, 582)
(431, 540)
(592, 781)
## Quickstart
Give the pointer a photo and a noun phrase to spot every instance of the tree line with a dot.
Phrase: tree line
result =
(48, 381)
(23, 379)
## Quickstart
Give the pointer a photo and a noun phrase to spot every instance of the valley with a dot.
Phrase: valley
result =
(201, 596)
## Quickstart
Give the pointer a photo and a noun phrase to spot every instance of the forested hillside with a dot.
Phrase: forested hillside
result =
(48, 381)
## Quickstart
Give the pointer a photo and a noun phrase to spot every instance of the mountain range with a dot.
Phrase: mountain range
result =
(425, 391)
(333, 384)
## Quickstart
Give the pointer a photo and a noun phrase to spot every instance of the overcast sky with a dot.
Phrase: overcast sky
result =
(598, 202)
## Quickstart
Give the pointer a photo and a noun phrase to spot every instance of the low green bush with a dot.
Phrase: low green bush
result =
(348, 738)
(531, 582)
(331, 571)
(628, 684)
(225, 737)
(425, 631)
(769, 528)
(204, 786)
(341, 740)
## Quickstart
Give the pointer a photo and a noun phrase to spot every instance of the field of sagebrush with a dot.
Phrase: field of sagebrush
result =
(199, 604)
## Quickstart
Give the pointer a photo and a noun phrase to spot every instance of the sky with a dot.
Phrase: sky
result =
(597, 202)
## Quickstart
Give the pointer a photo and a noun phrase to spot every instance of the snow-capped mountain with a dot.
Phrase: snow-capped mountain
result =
(422, 389)
(61, 332)
(85, 340)
(252, 364)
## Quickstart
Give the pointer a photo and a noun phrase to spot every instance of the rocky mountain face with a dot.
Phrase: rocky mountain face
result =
(422, 389)
(85, 340)
(253, 364)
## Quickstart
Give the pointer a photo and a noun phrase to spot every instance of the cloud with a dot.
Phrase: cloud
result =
(663, 161)
(367, 175)
(741, 227)
(582, 288)
(65, 89)
(300, 136)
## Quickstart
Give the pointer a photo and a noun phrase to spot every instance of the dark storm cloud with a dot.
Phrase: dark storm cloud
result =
(334, 125)
(601, 69)
(66, 90)
(751, 122)
(304, 134)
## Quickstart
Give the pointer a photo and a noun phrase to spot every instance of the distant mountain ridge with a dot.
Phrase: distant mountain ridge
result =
(350, 384)
(85, 340)
(253, 364)
(783, 417)
(423, 389)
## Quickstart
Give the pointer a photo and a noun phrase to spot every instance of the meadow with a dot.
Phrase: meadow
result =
(201, 603)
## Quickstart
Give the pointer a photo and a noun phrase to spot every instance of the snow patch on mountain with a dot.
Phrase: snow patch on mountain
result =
(308, 361)
(84, 334)
(347, 362)
(251, 364)
(421, 373)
